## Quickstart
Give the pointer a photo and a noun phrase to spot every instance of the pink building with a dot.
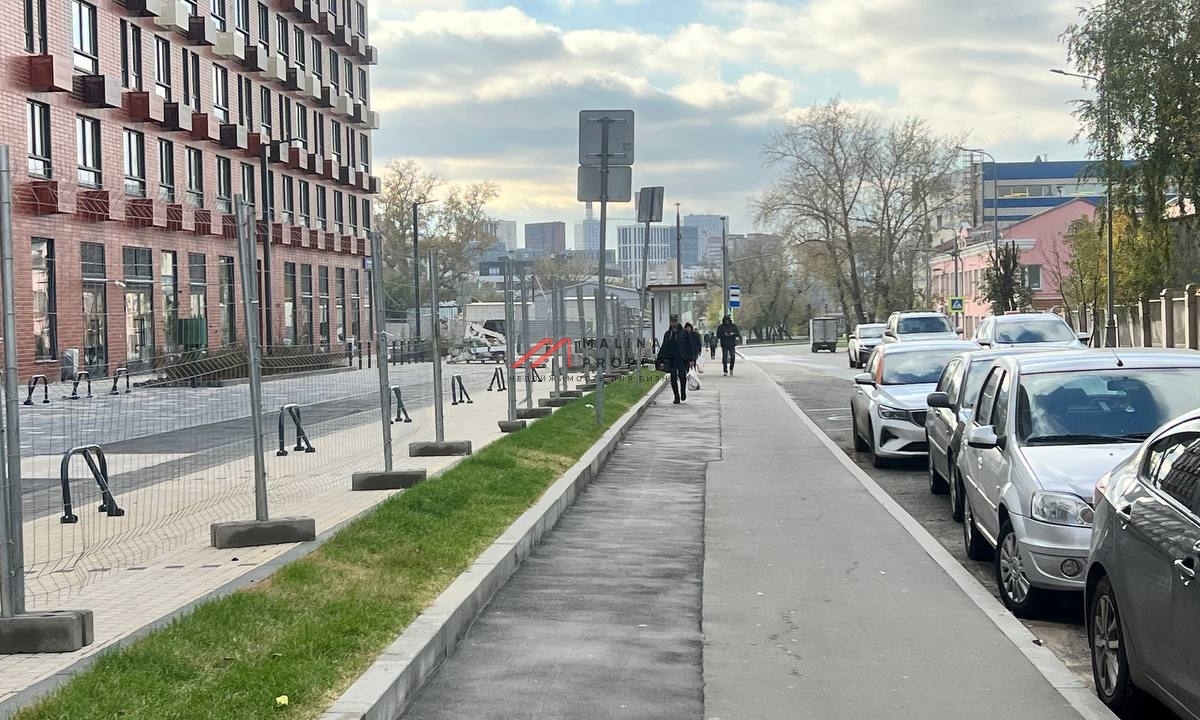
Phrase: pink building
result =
(1041, 241)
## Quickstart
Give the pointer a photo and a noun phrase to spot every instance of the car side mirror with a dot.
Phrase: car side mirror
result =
(889, 333)
(851, 336)
(1083, 336)
(864, 379)
(983, 343)
(938, 400)
(958, 331)
(983, 438)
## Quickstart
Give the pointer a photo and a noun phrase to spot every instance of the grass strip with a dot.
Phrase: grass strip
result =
(317, 624)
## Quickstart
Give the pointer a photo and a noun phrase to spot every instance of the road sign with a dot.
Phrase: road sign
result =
(956, 305)
(650, 204)
(735, 296)
(620, 184)
(620, 136)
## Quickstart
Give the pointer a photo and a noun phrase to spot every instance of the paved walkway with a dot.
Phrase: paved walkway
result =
(815, 602)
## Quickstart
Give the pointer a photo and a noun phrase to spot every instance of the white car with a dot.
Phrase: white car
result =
(908, 326)
(1028, 330)
(862, 341)
(888, 406)
(1045, 428)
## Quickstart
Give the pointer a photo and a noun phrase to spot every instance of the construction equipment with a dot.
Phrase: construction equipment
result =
(479, 345)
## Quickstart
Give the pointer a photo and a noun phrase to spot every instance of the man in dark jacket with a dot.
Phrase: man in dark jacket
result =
(728, 335)
(711, 339)
(674, 355)
(697, 345)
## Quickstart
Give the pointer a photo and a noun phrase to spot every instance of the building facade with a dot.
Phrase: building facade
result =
(546, 238)
(1025, 189)
(505, 233)
(709, 229)
(166, 107)
(663, 241)
(587, 233)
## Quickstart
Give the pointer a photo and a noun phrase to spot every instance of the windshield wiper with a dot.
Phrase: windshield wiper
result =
(1084, 439)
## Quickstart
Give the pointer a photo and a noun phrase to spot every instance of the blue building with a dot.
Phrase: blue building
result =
(1028, 188)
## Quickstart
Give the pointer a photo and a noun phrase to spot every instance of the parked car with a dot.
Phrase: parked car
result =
(1142, 598)
(1026, 329)
(907, 326)
(862, 341)
(888, 406)
(950, 407)
(823, 333)
(1045, 427)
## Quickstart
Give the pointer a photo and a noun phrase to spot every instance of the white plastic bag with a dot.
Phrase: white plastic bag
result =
(693, 380)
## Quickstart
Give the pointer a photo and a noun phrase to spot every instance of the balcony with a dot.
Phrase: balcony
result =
(50, 73)
(343, 36)
(314, 239)
(256, 59)
(374, 185)
(314, 164)
(143, 8)
(328, 97)
(330, 171)
(345, 175)
(142, 106)
(276, 233)
(201, 31)
(372, 120)
(296, 79)
(362, 180)
(94, 205)
(174, 15)
(205, 127)
(234, 137)
(177, 117)
(203, 221)
(178, 220)
(231, 46)
(358, 46)
(228, 223)
(343, 105)
(144, 212)
(371, 57)
(278, 153)
(42, 197)
(277, 69)
(326, 23)
(360, 246)
(296, 236)
(312, 88)
(98, 91)
(295, 8)
(297, 157)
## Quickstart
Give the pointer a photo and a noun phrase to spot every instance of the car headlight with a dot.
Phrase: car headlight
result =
(1061, 509)
(891, 413)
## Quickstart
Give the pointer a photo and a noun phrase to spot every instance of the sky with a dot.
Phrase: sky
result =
(491, 89)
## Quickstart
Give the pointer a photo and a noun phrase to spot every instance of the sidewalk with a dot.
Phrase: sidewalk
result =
(726, 565)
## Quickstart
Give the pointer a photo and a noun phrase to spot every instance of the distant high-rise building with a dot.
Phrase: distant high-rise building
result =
(587, 233)
(546, 237)
(631, 241)
(709, 228)
(505, 232)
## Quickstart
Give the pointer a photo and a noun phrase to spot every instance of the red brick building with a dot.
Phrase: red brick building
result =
(132, 127)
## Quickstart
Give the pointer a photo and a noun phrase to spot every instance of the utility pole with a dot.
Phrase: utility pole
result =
(678, 248)
(725, 264)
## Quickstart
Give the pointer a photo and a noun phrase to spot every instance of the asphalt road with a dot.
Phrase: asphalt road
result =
(821, 384)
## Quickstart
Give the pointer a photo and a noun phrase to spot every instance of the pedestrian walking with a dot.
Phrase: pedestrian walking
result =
(711, 341)
(729, 336)
(695, 344)
(674, 356)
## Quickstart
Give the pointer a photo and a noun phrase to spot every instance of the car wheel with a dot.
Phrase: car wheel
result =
(977, 548)
(937, 484)
(1110, 663)
(877, 461)
(850, 360)
(1019, 596)
(956, 492)
(860, 445)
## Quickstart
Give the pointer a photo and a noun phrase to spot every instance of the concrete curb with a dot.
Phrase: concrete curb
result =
(386, 688)
(1073, 690)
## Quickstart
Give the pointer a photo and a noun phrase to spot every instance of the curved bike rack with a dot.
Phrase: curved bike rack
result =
(401, 411)
(33, 383)
(498, 381)
(458, 391)
(120, 373)
(302, 443)
(79, 376)
(94, 457)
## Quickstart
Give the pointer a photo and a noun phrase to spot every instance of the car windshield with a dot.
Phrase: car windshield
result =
(911, 368)
(1033, 331)
(1109, 406)
(870, 332)
(918, 325)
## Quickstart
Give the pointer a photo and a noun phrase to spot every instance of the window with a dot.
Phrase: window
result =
(45, 315)
(264, 105)
(221, 93)
(339, 278)
(348, 75)
(285, 117)
(281, 33)
(135, 164)
(218, 14)
(241, 18)
(166, 170)
(228, 305)
(1033, 277)
(1000, 408)
(195, 178)
(264, 25)
(248, 171)
(304, 202)
(319, 123)
(321, 223)
(38, 122)
(197, 285)
(360, 19)
(318, 58)
(363, 86)
(191, 80)
(351, 148)
(139, 264)
(289, 200)
(193, 7)
(354, 303)
(364, 153)
(245, 93)
(335, 131)
(366, 214)
(91, 257)
(35, 26)
(300, 46)
(1173, 466)
(87, 56)
(338, 218)
(301, 124)
(169, 273)
(323, 305)
(224, 185)
(353, 203)
(162, 68)
(987, 396)
(289, 301)
(87, 140)
(131, 56)
(306, 305)
(334, 71)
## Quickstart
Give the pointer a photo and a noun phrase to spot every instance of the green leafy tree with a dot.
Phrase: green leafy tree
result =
(1003, 282)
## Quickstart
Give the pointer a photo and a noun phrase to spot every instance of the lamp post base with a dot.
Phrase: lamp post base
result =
(1110, 336)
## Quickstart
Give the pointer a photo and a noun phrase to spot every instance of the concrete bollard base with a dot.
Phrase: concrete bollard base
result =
(567, 394)
(533, 413)
(555, 402)
(394, 480)
(52, 631)
(251, 533)
(589, 387)
(442, 449)
(508, 426)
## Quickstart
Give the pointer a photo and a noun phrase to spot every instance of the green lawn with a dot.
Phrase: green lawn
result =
(311, 629)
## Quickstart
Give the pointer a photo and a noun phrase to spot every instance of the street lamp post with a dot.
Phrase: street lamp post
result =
(678, 248)
(1110, 316)
(725, 263)
(268, 215)
(995, 193)
(417, 268)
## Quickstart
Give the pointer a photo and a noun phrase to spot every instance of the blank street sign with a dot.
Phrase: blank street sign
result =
(620, 184)
(650, 204)
(620, 136)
